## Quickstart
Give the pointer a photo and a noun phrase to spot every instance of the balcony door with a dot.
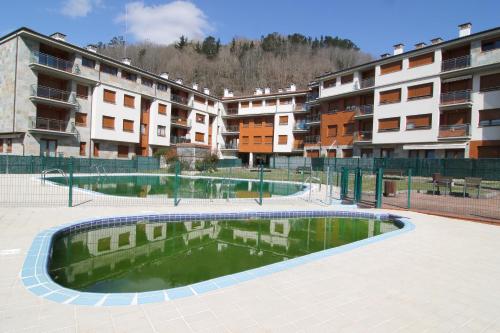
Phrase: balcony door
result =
(48, 148)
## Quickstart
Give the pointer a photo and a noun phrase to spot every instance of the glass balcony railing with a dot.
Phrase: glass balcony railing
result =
(367, 83)
(455, 97)
(455, 63)
(53, 93)
(179, 99)
(313, 119)
(179, 139)
(50, 124)
(454, 131)
(54, 62)
(232, 128)
(181, 121)
(312, 139)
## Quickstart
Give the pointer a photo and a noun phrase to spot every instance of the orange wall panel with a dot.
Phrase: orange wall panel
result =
(260, 131)
(339, 119)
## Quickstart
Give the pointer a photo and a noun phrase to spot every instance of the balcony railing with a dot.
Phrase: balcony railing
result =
(366, 83)
(301, 126)
(298, 145)
(312, 96)
(455, 63)
(52, 125)
(179, 99)
(181, 121)
(363, 136)
(299, 107)
(232, 111)
(361, 110)
(455, 97)
(454, 131)
(54, 62)
(232, 128)
(312, 139)
(230, 145)
(313, 119)
(53, 93)
(179, 139)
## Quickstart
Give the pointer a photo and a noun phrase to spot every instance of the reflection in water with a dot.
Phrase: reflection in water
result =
(201, 188)
(159, 255)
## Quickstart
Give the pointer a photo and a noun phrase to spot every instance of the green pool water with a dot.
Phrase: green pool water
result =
(202, 188)
(150, 256)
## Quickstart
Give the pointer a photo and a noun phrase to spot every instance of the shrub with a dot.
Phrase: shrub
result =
(208, 163)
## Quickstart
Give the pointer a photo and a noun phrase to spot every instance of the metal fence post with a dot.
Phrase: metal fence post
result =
(358, 188)
(409, 189)
(304, 171)
(176, 183)
(70, 183)
(344, 183)
(261, 183)
(378, 188)
(288, 167)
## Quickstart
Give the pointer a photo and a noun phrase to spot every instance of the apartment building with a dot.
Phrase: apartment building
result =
(60, 99)
(436, 100)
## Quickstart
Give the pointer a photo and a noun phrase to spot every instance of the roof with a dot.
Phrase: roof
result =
(264, 96)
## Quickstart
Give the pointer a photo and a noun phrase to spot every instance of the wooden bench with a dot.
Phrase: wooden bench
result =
(441, 181)
(472, 182)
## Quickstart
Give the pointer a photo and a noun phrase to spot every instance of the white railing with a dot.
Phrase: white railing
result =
(368, 82)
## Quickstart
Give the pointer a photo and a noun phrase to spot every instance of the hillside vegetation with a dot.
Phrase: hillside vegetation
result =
(274, 61)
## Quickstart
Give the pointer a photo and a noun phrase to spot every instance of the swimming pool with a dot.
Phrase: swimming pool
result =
(189, 187)
(142, 259)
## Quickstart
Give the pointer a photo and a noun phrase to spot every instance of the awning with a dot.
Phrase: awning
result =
(435, 146)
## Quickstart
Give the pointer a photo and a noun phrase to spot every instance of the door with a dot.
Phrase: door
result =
(48, 148)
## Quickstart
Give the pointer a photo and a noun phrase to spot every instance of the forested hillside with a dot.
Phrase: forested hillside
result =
(273, 61)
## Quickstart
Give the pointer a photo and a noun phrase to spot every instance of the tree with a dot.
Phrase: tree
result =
(182, 43)
(116, 41)
(210, 47)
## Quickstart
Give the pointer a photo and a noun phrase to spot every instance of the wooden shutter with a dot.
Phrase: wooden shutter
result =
(419, 121)
(300, 99)
(128, 101)
(489, 117)
(282, 139)
(421, 60)
(162, 109)
(96, 150)
(391, 67)
(331, 131)
(346, 78)
(270, 102)
(283, 120)
(312, 153)
(83, 148)
(211, 103)
(80, 119)
(346, 152)
(122, 151)
(108, 122)
(268, 140)
(348, 128)
(390, 96)
(199, 99)
(244, 104)
(329, 83)
(257, 140)
(490, 82)
(109, 96)
(488, 151)
(388, 124)
(244, 140)
(199, 137)
(200, 118)
(82, 91)
(420, 91)
(285, 101)
(256, 103)
(128, 125)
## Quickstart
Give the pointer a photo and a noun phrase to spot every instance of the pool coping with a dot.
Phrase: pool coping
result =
(36, 279)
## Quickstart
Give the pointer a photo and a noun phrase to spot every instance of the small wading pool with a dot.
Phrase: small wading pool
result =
(143, 259)
(189, 187)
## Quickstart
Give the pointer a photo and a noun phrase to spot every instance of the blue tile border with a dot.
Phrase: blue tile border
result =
(36, 279)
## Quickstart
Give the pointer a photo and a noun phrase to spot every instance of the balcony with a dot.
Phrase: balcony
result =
(180, 122)
(313, 120)
(299, 107)
(454, 131)
(230, 146)
(459, 97)
(312, 96)
(231, 112)
(301, 127)
(179, 139)
(312, 140)
(298, 146)
(54, 126)
(53, 95)
(231, 129)
(362, 111)
(455, 63)
(54, 62)
(367, 83)
(363, 136)
(179, 99)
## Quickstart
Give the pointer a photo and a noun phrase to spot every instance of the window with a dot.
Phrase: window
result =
(270, 102)
(244, 104)
(1, 145)
(96, 150)
(144, 128)
(128, 101)
(122, 151)
(244, 140)
(128, 125)
(199, 137)
(88, 62)
(387, 152)
(421, 121)
(329, 83)
(80, 119)
(390, 96)
(391, 67)
(211, 103)
(283, 120)
(109, 69)
(129, 76)
(162, 87)
(488, 151)
(257, 140)
(282, 139)
(346, 152)
(268, 123)
(388, 124)
(256, 104)
(348, 128)
(108, 122)
(245, 122)
(83, 148)
(489, 117)
(200, 118)
(82, 91)
(346, 79)
(420, 91)
(490, 45)
(268, 140)
(257, 122)
(199, 99)
(109, 96)
(285, 101)
(421, 60)
(490, 82)
(162, 109)
(161, 131)
(146, 82)
(454, 153)
(331, 131)
(9, 145)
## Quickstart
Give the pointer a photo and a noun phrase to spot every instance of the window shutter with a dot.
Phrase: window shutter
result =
(282, 139)
(490, 82)
(83, 148)
(162, 109)
(268, 140)
(390, 96)
(199, 137)
(256, 103)
(283, 120)
(109, 96)
(128, 101)
(421, 60)
(391, 67)
(421, 90)
(419, 121)
(108, 122)
(80, 119)
(128, 125)
(346, 78)
(82, 91)
(122, 151)
(332, 131)
(388, 124)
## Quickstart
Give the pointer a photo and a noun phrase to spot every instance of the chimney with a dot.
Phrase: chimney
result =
(59, 36)
(206, 91)
(258, 91)
(385, 55)
(292, 87)
(179, 80)
(420, 45)
(436, 40)
(164, 75)
(91, 48)
(398, 48)
(228, 93)
(126, 61)
(464, 29)
(267, 90)
(195, 86)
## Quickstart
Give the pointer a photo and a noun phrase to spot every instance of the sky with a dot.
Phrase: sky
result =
(375, 26)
